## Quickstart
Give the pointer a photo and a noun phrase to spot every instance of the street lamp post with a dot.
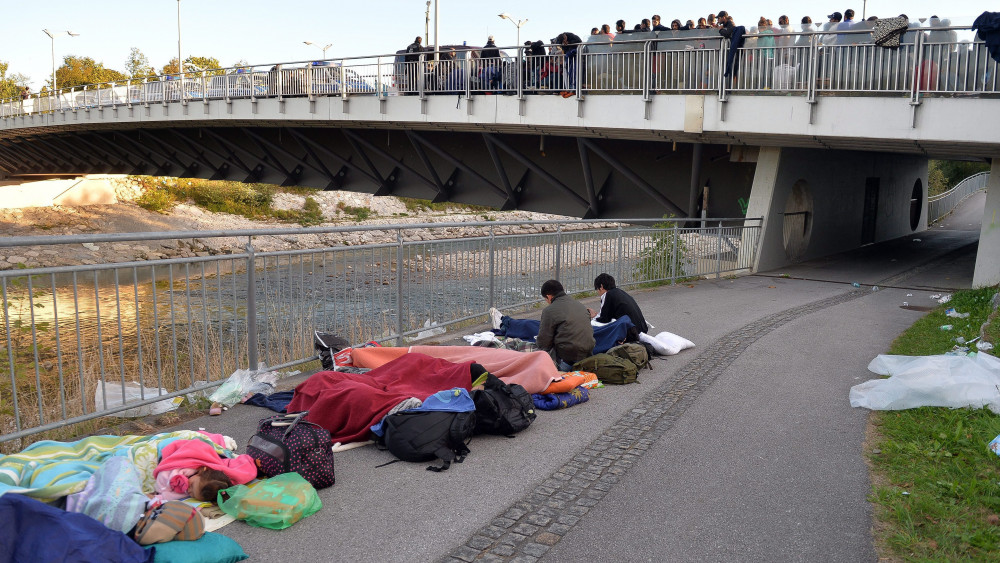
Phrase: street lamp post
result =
(517, 23)
(324, 48)
(52, 36)
(180, 61)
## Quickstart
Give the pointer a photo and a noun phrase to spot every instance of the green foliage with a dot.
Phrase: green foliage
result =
(137, 65)
(77, 71)
(10, 86)
(943, 175)
(359, 213)
(414, 205)
(194, 64)
(252, 201)
(665, 257)
(939, 458)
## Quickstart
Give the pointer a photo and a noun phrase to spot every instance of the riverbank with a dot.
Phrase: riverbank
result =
(126, 217)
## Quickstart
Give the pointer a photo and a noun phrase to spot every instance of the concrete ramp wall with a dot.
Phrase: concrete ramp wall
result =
(95, 189)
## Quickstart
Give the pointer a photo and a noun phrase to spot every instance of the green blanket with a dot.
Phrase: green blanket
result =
(49, 470)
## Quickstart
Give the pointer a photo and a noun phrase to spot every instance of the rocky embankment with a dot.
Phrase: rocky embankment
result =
(127, 217)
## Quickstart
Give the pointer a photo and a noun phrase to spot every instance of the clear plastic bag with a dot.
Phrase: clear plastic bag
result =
(274, 503)
(937, 381)
(109, 395)
(242, 382)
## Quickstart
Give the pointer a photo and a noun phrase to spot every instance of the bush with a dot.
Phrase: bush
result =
(656, 261)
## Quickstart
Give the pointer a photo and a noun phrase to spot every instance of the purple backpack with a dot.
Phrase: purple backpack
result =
(286, 443)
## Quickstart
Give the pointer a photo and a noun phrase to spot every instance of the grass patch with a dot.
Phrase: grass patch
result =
(253, 201)
(414, 205)
(938, 457)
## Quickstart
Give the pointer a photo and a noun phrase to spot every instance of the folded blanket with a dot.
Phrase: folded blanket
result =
(113, 495)
(569, 381)
(193, 454)
(555, 401)
(349, 404)
(531, 370)
(48, 470)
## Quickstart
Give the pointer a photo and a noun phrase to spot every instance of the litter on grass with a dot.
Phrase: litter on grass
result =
(936, 381)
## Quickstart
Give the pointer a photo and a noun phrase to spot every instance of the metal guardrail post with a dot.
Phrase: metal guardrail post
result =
(812, 70)
(918, 59)
(675, 241)
(558, 249)
(493, 268)
(421, 76)
(467, 63)
(519, 73)
(310, 71)
(578, 71)
(621, 253)
(342, 85)
(399, 287)
(280, 82)
(379, 92)
(647, 71)
(253, 363)
(718, 254)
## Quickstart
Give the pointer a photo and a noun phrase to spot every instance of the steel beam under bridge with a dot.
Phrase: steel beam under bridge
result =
(574, 176)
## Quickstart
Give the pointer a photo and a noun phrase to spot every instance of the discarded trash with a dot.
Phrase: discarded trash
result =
(955, 314)
(856, 284)
(909, 295)
(906, 493)
(936, 296)
(906, 304)
(946, 327)
(874, 288)
(916, 240)
(241, 383)
(995, 445)
(942, 381)
(960, 339)
(133, 392)
(984, 346)
(944, 299)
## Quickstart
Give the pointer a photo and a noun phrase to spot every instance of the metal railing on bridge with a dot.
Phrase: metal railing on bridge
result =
(929, 61)
(85, 341)
(942, 204)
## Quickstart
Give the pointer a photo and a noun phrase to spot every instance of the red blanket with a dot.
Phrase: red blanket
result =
(348, 404)
(193, 454)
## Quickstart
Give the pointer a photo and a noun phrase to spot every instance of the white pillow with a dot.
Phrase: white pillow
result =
(666, 343)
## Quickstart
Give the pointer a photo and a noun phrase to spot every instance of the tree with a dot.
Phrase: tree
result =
(137, 65)
(77, 71)
(194, 64)
(10, 86)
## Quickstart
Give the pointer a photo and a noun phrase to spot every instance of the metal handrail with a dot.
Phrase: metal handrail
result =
(688, 63)
(944, 203)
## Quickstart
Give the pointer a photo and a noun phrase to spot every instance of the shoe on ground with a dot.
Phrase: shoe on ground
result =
(495, 318)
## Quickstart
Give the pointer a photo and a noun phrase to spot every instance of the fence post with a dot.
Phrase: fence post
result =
(621, 251)
(812, 73)
(519, 73)
(420, 75)
(579, 72)
(674, 243)
(493, 268)
(558, 249)
(251, 306)
(379, 93)
(399, 287)
(718, 254)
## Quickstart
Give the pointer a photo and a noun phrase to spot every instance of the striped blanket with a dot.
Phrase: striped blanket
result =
(49, 470)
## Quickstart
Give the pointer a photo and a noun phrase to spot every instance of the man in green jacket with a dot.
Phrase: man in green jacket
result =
(565, 331)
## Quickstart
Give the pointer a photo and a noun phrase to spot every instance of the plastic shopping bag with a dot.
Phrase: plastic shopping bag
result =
(274, 503)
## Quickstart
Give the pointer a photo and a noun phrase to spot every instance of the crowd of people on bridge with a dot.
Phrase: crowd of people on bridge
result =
(551, 66)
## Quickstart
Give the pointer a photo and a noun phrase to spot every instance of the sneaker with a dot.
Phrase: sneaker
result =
(495, 318)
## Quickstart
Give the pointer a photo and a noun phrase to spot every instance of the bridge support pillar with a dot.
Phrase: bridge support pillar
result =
(762, 204)
(988, 259)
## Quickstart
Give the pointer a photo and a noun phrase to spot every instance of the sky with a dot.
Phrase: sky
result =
(264, 32)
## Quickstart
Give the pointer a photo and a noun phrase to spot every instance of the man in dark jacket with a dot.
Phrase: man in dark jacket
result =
(412, 59)
(615, 304)
(490, 59)
(565, 331)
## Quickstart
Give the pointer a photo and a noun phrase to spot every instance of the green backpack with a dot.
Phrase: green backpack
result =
(633, 352)
(611, 370)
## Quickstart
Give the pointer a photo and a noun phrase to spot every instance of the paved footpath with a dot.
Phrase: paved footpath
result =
(744, 448)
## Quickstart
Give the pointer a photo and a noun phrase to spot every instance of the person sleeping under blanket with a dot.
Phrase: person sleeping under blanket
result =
(606, 335)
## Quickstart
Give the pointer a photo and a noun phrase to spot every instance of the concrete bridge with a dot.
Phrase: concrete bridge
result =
(828, 143)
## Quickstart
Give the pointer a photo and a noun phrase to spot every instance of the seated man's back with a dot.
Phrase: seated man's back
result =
(565, 330)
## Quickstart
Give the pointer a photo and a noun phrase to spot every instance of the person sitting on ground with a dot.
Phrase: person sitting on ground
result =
(201, 484)
(565, 331)
(615, 304)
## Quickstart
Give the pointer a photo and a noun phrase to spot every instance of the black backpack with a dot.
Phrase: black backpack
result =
(429, 435)
(501, 408)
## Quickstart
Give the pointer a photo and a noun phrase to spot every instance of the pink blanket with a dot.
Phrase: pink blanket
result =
(531, 370)
(192, 454)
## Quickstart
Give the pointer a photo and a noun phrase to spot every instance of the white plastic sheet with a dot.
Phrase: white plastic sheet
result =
(134, 392)
(935, 381)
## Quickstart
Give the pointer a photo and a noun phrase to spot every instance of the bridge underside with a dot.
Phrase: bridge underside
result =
(575, 176)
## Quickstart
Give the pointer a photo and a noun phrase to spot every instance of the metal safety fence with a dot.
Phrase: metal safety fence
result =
(90, 340)
(942, 204)
(939, 60)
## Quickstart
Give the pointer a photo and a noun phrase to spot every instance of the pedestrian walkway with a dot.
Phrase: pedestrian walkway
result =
(743, 448)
